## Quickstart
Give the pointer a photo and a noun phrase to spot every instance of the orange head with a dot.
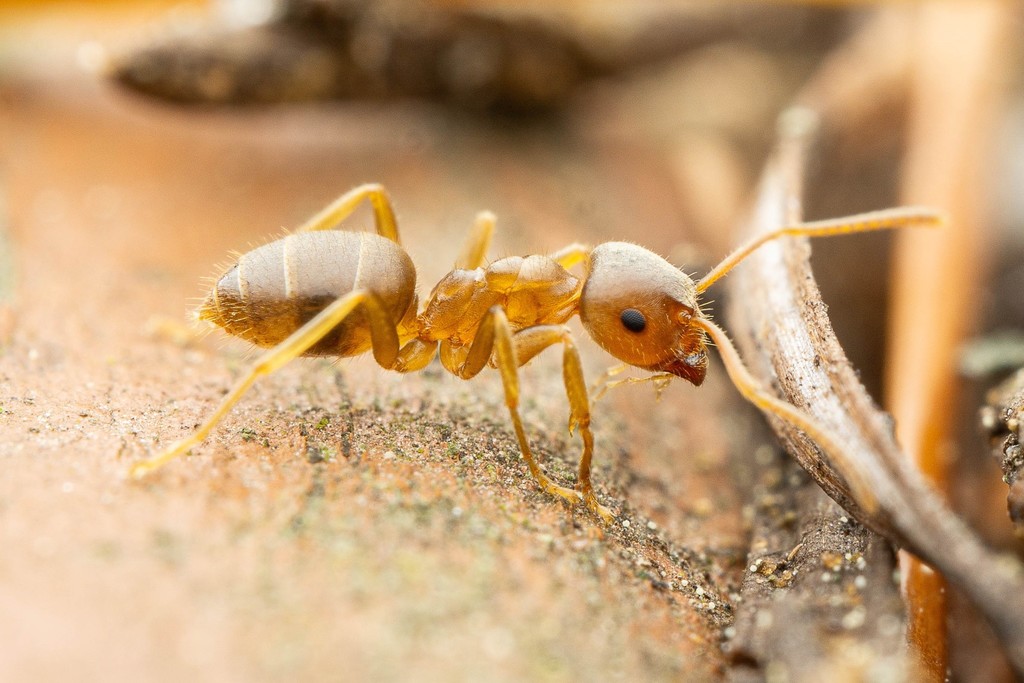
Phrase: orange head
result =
(639, 307)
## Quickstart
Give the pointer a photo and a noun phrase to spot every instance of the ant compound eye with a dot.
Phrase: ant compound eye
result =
(633, 320)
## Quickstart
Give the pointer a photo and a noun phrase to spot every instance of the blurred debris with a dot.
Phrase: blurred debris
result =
(1001, 419)
(818, 597)
(480, 57)
(992, 355)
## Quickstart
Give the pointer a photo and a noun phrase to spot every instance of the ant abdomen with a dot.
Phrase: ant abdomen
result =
(275, 289)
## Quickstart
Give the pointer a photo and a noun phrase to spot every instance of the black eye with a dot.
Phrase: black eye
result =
(633, 320)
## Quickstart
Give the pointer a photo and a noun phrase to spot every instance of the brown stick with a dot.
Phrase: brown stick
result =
(956, 89)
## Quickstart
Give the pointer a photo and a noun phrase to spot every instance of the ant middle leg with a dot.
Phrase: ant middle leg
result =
(529, 343)
(496, 341)
(384, 339)
(342, 207)
(494, 337)
(474, 253)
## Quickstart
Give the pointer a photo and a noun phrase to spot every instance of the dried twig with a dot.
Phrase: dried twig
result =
(782, 326)
(856, 85)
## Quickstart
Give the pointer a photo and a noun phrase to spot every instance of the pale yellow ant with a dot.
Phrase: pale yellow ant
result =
(325, 292)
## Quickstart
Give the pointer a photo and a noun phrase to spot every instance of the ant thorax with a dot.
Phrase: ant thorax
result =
(532, 290)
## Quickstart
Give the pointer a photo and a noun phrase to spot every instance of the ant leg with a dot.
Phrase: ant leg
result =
(569, 256)
(475, 252)
(600, 386)
(494, 336)
(342, 207)
(415, 355)
(902, 217)
(530, 342)
(660, 380)
(845, 462)
(385, 351)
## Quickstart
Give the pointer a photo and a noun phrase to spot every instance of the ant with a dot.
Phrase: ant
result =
(325, 292)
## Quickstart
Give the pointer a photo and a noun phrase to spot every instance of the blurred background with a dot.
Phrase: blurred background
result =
(348, 523)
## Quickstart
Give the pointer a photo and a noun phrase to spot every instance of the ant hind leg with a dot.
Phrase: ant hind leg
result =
(342, 207)
(385, 350)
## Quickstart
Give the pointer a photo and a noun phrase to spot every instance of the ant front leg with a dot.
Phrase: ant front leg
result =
(494, 337)
(530, 342)
(384, 339)
(341, 208)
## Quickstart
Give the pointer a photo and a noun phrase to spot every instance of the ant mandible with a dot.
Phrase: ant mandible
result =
(325, 292)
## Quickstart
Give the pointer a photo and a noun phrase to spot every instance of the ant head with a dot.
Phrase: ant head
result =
(639, 307)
